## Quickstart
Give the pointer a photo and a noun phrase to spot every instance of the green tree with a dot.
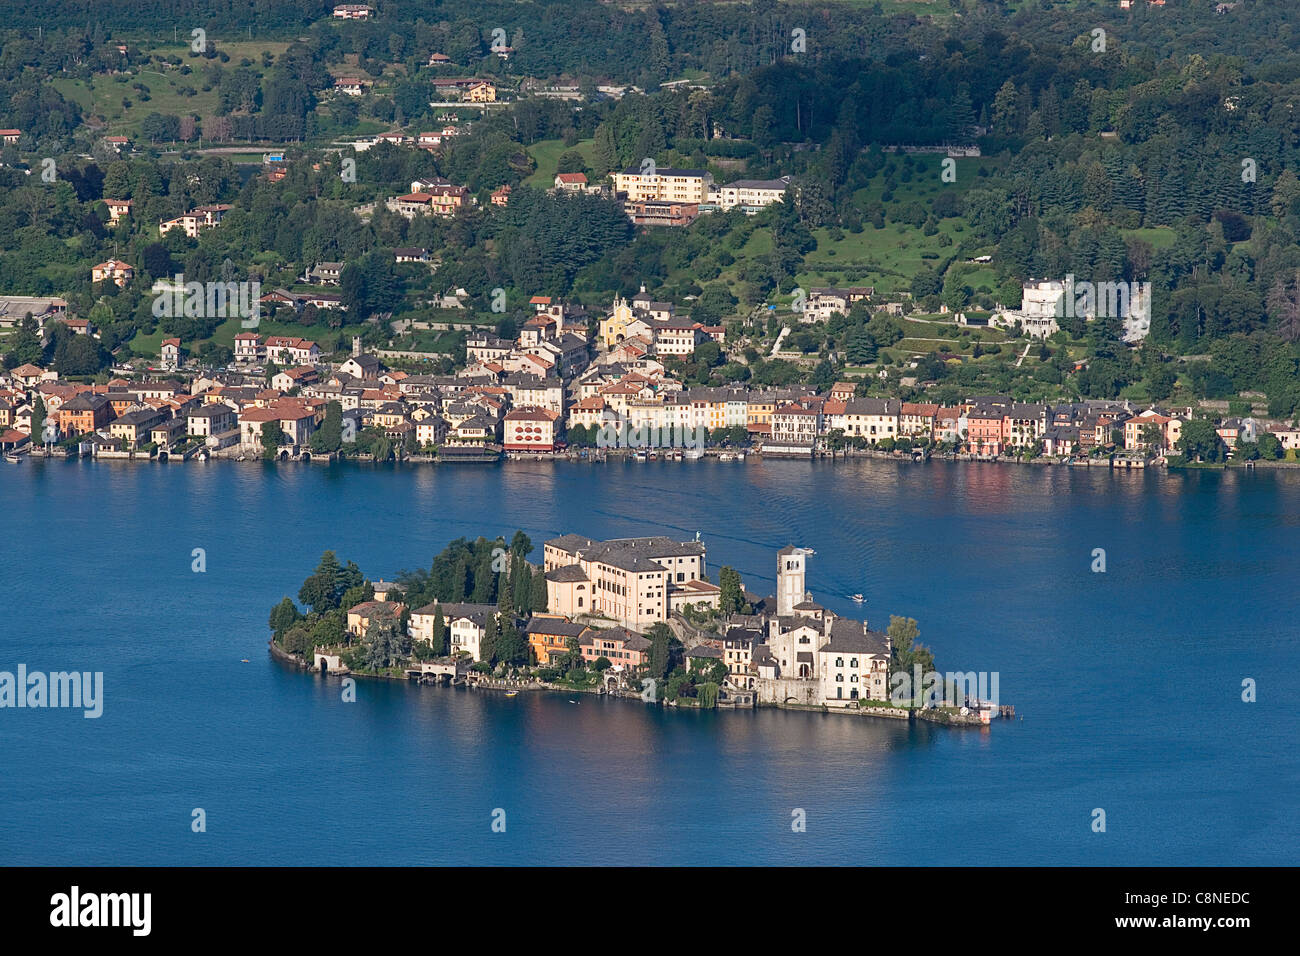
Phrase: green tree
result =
(38, 420)
(1200, 441)
(539, 591)
(905, 652)
(322, 591)
(283, 616)
(660, 650)
(329, 437)
(732, 597)
(270, 439)
(439, 632)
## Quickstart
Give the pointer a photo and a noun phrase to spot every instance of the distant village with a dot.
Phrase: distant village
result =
(555, 389)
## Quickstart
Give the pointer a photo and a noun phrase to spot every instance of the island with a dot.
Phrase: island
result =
(627, 617)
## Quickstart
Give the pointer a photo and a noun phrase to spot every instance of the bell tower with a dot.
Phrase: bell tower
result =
(791, 572)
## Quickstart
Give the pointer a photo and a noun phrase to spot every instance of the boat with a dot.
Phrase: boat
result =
(244, 660)
(724, 456)
(858, 599)
(512, 693)
(14, 457)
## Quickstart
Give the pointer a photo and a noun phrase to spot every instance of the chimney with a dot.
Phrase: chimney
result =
(356, 345)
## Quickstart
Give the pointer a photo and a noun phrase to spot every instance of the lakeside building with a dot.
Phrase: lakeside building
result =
(633, 581)
(799, 652)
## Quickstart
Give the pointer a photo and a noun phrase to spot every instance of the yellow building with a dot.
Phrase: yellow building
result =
(613, 328)
(664, 184)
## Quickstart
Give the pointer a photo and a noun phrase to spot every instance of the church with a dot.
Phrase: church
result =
(797, 652)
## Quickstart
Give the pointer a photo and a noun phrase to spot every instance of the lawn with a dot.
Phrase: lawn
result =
(546, 154)
(1160, 237)
(103, 96)
(225, 335)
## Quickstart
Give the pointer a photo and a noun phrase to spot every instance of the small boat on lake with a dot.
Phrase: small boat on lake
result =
(858, 598)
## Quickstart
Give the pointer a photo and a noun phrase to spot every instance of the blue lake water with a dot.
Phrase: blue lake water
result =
(1128, 681)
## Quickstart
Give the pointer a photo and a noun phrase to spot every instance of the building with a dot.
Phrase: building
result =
(366, 613)
(1136, 432)
(530, 430)
(290, 350)
(626, 580)
(441, 200)
(682, 187)
(548, 635)
(750, 195)
(570, 182)
(249, 347)
(118, 209)
(822, 303)
(15, 308)
(115, 271)
(481, 91)
(794, 430)
(804, 653)
(353, 11)
(169, 352)
(196, 220)
(133, 428)
(657, 212)
(84, 413)
(10, 137)
(214, 418)
(466, 625)
(624, 649)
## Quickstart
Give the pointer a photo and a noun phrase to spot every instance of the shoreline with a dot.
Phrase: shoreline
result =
(624, 456)
(940, 717)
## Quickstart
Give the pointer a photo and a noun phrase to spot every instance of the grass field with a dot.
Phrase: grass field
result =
(120, 105)
(227, 330)
(546, 154)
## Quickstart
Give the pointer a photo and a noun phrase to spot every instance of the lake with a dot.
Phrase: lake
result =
(1127, 684)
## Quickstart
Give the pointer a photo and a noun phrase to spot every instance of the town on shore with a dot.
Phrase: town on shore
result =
(567, 383)
(632, 617)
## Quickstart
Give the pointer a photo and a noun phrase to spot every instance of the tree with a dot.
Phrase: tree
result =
(439, 632)
(38, 420)
(1200, 441)
(511, 646)
(732, 597)
(1270, 447)
(905, 652)
(383, 643)
(270, 439)
(489, 647)
(1153, 436)
(322, 591)
(329, 437)
(539, 591)
(660, 650)
(283, 616)
(707, 693)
